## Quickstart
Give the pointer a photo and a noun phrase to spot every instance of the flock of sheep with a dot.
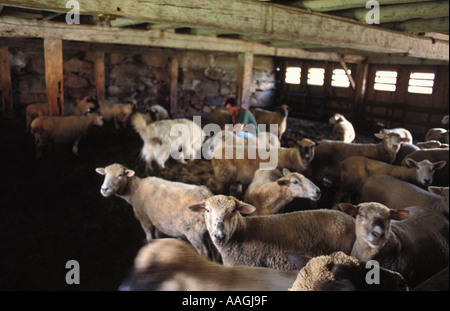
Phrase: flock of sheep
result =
(391, 202)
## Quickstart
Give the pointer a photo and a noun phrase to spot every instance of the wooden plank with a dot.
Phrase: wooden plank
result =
(422, 25)
(54, 76)
(173, 74)
(5, 73)
(99, 68)
(258, 18)
(362, 74)
(349, 76)
(334, 5)
(244, 79)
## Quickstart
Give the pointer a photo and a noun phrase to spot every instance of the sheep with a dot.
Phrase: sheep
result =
(158, 113)
(262, 241)
(231, 168)
(38, 110)
(432, 144)
(62, 130)
(270, 190)
(416, 245)
(433, 155)
(158, 203)
(343, 130)
(341, 272)
(356, 170)
(278, 117)
(404, 133)
(117, 112)
(329, 154)
(438, 134)
(398, 194)
(174, 265)
(162, 140)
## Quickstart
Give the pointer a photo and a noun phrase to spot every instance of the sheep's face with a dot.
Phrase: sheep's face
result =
(220, 216)
(116, 178)
(425, 170)
(391, 143)
(373, 222)
(299, 186)
(307, 149)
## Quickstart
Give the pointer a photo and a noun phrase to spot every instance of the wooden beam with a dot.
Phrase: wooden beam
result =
(54, 76)
(5, 73)
(422, 25)
(173, 74)
(335, 5)
(349, 76)
(258, 18)
(244, 79)
(99, 65)
(362, 74)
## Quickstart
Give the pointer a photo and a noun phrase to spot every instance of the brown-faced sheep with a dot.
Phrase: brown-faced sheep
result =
(343, 130)
(158, 203)
(398, 194)
(62, 130)
(263, 240)
(270, 190)
(415, 245)
(441, 177)
(173, 265)
(278, 117)
(341, 272)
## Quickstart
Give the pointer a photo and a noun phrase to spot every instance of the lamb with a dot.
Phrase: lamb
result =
(416, 245)
(340, 272)
(378, 188)
(173, 265)
(329, 154)
(438, 134)
(162, 140)
(62, 130)
(434, 155)
(278, 117)
(262, 241)
(117, 112)
(343, 130)
(270, 190)
(85, 105)
(356, 170)
(404, 133)
(231, 168)
(159, 204)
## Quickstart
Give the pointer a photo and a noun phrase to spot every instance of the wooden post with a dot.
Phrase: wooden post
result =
(173, 74)
(53, 55)
(6, 88)
(244, 79)
(362, 74)
(99, 65)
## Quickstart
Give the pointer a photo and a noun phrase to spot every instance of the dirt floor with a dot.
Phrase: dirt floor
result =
(51, 209)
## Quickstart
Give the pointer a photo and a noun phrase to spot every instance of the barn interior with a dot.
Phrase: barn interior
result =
(380, 67)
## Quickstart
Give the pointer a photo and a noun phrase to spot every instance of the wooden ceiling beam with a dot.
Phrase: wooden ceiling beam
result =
(258, 18)
(336, 5)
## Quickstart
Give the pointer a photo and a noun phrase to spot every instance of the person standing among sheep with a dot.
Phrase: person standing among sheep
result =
(241, 119)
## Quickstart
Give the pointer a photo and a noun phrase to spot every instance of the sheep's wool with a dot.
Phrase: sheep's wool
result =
(316, 270)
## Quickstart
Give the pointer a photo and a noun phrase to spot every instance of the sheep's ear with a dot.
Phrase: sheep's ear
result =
(439, 165)
(286, 171)
(198, 207)
(411, 163)
(405, 140)
(100, 170)
(244, 208)
(297, 259)
(129, 173)
(436, 190)
(399, 214)
(283, 182)
(349, 209)
(379, 135)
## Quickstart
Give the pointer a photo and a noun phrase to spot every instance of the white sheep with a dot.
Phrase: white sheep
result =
(263, 240)
(329, 154)
(162, 139)
(404, 133)
(117, 112)
(341, 272)
(356, 170)
(399, 194)
(441, 177)
(416, 245)
(38, 110)
(438, 134)
(343, 130)
(159, 204)
(270, 190)
(278, 117)
(174, 265)
(62, 130)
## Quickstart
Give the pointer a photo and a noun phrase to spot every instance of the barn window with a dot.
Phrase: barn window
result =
(316, 76)
(293, 75)
(340, 79)
(385, 81)
(421, 83)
